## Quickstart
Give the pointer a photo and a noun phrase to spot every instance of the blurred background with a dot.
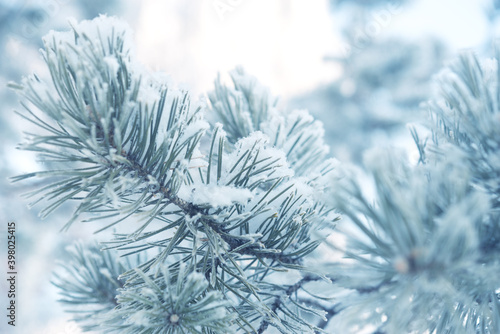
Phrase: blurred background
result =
(363, 67)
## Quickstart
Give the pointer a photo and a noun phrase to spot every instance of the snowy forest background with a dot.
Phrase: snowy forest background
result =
(362, 67)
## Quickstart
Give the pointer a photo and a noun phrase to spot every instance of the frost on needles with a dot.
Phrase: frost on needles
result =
(423, 258)
(220, 207)
(222, 214)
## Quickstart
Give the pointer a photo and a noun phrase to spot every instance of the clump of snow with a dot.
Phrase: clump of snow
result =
(198, 126)
(220, 130)
(260, 100)
(490, 69)
(256, 145)
(98, 29)
(214, 195)
(112, 64)
(153, 83)
(299, 135)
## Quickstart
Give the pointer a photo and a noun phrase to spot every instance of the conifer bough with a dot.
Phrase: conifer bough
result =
(222, 222)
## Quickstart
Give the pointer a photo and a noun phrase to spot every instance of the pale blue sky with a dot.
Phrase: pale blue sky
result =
(460, 23)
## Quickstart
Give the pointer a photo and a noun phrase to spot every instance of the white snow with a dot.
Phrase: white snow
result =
(99, 28)
(256, 143)
(112, 64)
(213, 195)
(198, 126)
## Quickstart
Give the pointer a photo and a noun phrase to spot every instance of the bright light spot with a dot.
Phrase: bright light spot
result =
(281, 43)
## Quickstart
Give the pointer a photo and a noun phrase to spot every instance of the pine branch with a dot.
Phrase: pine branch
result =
(128, 147)
(419, 246)
(279, 303)
(89, 283)
(177, 303)
(249, 107)
(464, 123)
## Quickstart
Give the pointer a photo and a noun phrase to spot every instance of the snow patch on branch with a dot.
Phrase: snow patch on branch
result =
(215, 196)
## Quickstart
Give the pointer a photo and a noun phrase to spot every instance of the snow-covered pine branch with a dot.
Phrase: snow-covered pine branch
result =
(414, 253)
(228, 217)
(249, 107)
(423, 258)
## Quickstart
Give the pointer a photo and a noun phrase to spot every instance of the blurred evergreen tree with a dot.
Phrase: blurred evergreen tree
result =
(382, 83)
